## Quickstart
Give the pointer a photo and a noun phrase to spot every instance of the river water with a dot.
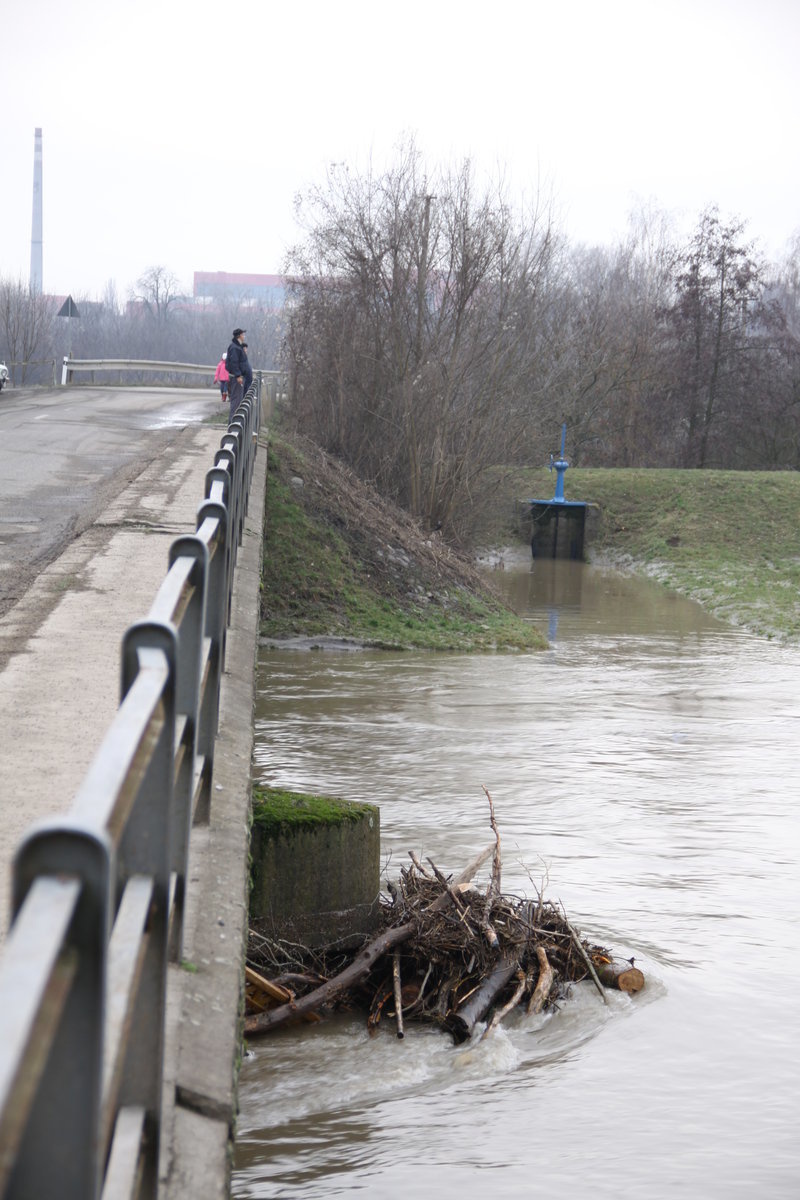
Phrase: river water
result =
(644, 769)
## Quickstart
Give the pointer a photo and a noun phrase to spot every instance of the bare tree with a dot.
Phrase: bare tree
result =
(768, 433)
(26, 323)
(610, 346)
(716, 318)
(157, 289)
(409, 331)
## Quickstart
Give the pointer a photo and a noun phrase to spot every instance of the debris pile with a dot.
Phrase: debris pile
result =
(447, 954)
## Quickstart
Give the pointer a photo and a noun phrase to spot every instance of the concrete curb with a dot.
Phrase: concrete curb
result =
(204, 1039)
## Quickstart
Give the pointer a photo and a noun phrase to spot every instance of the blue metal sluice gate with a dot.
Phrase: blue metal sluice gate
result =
(558, 524)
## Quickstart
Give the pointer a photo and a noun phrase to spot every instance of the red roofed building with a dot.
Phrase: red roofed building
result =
(215, 284)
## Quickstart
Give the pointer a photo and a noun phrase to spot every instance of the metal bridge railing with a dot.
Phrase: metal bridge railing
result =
(98, 896)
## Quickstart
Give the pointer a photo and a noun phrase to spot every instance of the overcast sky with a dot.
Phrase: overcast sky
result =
(177, 132)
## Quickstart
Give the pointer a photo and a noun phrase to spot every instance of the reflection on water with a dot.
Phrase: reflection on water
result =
(571, 599)
(644, 770)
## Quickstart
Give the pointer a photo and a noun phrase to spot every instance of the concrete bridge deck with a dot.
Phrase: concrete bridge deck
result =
(59, 690)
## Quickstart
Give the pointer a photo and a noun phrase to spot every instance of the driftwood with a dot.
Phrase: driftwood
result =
(398, 993)
(360, 966)
(265, 989)
(625, 977)
(463, 1020)
(493, 890)
(544, 983)
(449, 954)
(589, 964)
(262, 994)
(509, 1005)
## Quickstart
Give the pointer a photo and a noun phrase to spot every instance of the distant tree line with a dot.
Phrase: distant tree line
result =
(434, 335)
(156, 322)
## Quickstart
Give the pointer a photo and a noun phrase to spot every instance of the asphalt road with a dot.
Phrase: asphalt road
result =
(66, 452)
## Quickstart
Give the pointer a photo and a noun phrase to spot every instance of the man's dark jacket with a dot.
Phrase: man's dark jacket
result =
(236, 361)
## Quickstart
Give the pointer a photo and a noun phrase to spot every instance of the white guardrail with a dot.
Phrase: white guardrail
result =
(70, 365)
(272, 385)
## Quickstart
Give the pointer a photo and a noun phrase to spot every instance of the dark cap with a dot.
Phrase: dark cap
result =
(236, 332)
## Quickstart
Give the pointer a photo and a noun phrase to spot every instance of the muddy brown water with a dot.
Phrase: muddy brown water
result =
(645, 770)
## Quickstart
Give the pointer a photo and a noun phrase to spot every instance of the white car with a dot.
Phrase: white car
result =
(3, 375)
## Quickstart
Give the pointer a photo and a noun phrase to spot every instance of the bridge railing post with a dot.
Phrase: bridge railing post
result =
(145, 850)
(189, 669)
(59, 1152)
(214, 515)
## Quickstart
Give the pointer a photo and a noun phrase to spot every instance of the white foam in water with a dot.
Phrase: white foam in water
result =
(351, 1069)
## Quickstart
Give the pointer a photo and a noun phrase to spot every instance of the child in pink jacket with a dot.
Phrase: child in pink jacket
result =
(221, 377)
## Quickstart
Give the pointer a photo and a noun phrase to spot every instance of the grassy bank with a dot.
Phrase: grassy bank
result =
(729, 539)
(341, 562)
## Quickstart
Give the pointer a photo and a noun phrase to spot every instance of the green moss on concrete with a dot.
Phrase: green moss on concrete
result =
(277, 811)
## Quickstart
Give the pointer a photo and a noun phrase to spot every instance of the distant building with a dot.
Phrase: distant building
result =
(216, 285)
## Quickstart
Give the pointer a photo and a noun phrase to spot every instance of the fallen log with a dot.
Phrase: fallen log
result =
(359, 967)
(299, 978)
(500, 1013)
(462, 1022)
(543, 984)
(622, 976)
(398, 994)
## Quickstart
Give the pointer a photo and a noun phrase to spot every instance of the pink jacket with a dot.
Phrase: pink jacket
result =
(221, 374)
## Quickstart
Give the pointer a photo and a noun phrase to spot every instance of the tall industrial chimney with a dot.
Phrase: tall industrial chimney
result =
(36, 223)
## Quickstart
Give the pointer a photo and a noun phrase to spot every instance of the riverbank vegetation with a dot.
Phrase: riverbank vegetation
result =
(341, 562)
(435, 331)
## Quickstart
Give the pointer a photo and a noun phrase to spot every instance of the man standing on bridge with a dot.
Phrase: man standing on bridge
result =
(238, 367)
(248, 370)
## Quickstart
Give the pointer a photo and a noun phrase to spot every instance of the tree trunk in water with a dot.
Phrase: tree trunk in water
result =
(360, 966)
(462, 1022)
(543, 984)
(624, 977)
